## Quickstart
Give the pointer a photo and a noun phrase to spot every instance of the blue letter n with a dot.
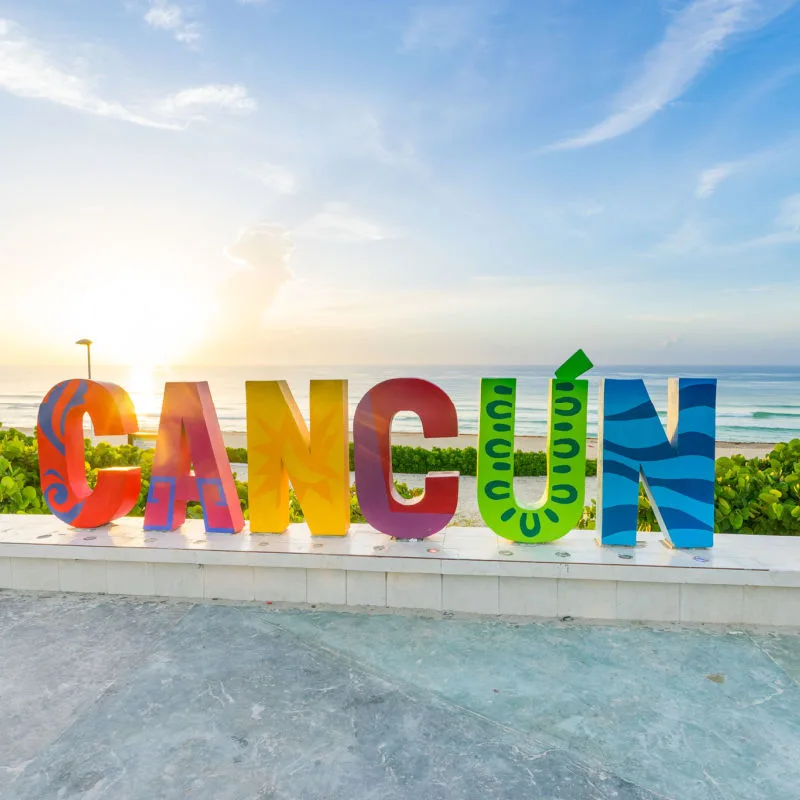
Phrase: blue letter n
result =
(677, 468)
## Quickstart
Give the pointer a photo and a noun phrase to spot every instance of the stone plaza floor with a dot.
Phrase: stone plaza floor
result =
(125, 699)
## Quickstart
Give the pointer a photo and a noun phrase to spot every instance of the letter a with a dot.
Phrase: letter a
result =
(189, 435)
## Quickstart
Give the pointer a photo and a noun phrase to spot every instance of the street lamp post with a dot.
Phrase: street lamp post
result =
(88, 344)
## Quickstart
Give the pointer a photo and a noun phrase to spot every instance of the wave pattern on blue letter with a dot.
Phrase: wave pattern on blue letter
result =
(676, 466)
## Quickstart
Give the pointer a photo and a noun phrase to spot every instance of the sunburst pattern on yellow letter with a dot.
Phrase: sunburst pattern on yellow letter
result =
(281, 448)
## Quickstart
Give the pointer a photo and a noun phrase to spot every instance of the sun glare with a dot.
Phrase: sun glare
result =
(145, 391)
(163, 332)
(153, 322)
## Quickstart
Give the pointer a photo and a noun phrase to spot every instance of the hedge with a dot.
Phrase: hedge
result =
(755, 496)
(420, 460)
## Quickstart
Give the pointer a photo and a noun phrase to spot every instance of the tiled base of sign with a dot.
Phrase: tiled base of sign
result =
(743, 579)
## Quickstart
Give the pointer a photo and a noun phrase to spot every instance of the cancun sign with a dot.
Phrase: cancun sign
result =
(190, 461)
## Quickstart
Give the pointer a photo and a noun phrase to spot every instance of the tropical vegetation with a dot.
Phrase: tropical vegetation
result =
(754, 496)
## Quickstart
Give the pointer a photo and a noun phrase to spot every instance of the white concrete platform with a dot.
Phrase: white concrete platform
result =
(742, 580)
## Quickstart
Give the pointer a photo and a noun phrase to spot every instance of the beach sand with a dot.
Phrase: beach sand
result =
(528, 444)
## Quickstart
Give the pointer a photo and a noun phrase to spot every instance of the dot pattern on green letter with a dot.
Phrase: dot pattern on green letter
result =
(560, 509)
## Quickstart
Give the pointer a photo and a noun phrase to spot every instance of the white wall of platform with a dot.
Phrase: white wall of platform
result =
(752, 580)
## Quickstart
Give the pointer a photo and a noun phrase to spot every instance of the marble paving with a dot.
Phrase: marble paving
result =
(111, 697)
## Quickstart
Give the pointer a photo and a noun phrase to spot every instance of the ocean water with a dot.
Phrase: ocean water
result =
(754, 404)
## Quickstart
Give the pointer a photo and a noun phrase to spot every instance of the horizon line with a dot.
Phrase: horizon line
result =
(392, 365)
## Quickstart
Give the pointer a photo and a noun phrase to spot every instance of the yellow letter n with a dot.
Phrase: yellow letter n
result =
(281, 449)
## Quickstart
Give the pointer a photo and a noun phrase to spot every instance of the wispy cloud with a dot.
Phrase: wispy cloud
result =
(262, 249)
(786, 228)
(789, 216)
(710, 178)
(699, 31)
(676, 319)
(261, 253)
(687, 238)
(339, 222)
(28, 70)
(276, 178)
(782, 237)
(774, 159)
(588, 208)
(170, 17)
(779, 286)
(195, 102)
(785, 231)
(356, 129)
(447, 26)
(779, 157)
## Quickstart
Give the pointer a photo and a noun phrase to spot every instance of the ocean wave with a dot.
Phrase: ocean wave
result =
(734, 434)
(777, 414)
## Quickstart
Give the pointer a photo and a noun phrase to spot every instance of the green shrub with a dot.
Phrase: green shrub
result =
(759, 495)
(237, 455)
(20, 488)
(420, 460)
(19, 464)
(647, 519)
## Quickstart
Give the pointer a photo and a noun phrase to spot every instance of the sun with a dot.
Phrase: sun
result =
(145, 391)
(141, 323)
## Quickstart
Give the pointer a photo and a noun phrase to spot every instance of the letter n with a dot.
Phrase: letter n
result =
(281, 448)
(676, 467)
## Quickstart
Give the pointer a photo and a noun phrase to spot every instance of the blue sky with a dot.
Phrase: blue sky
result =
(303, 181)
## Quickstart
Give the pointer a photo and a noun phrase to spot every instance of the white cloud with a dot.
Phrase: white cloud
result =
(786, 230)
(700, 30)
(262, 254)
(445, 27)
(338, 222)
(772, 159)
(769, 240)
(265, 249)
(676, 319)
(276, 177)
(589, 208)
(28, 70)
(685, 239)
(789, 216)
(166, 16)
(192, 103)
(710, 178)
(689, 238)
